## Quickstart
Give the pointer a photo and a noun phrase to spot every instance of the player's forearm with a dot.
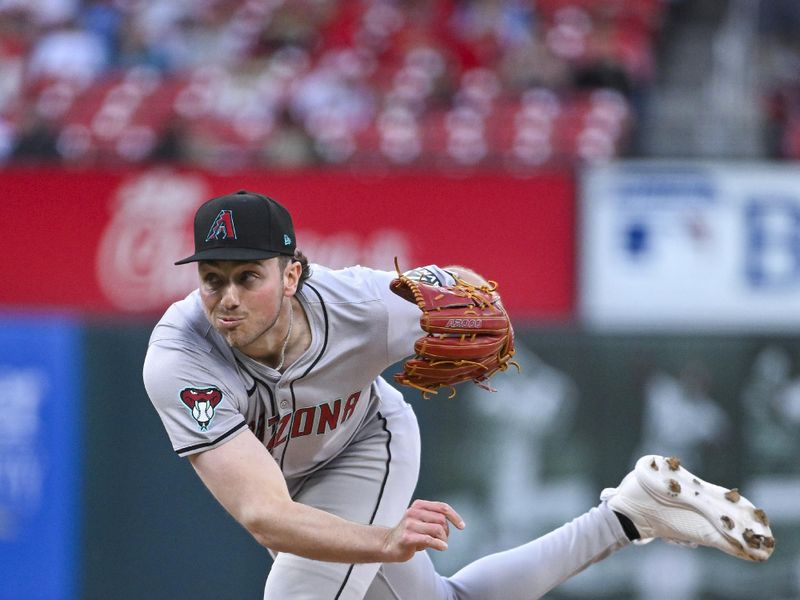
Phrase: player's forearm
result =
(306, 531)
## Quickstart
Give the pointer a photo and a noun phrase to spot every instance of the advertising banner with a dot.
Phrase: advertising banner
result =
(106, 241)
(39, 455)
(690, 246)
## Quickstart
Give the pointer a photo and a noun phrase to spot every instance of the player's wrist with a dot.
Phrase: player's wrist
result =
(391, 549)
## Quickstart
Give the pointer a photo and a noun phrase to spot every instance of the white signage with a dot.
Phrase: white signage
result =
(690, 246)
(151, 227)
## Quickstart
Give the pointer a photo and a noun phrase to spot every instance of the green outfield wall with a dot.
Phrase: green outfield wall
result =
(515, 463)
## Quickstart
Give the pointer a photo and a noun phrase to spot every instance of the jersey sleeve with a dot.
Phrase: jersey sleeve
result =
(403, 322)
(196, 395)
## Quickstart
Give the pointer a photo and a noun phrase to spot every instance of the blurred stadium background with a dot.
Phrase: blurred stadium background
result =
(626, 169)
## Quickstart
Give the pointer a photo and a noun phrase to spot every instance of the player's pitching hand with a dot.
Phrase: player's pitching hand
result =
(425, 524)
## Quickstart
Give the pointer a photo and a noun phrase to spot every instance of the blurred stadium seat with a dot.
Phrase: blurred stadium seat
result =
(313, 82)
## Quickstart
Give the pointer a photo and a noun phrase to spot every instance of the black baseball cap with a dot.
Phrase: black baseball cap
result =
(241, 226)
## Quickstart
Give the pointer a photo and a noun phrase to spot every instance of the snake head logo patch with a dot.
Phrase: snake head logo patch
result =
(202, 402)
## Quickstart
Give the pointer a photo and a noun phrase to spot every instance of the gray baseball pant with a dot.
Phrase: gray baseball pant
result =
(372, 481)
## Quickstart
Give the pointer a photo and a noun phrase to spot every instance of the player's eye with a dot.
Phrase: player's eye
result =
(248, 276)
(211, 281)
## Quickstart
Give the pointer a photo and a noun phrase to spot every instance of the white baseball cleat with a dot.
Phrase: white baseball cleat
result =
(664, 500)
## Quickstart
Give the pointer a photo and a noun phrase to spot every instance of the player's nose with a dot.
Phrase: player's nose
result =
(230, 297)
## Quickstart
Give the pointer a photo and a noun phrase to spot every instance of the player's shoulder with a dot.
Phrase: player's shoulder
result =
(349, 284)
(184, 323)
(359, 283)
(183, 343)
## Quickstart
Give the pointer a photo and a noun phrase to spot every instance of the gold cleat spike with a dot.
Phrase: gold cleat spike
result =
(733, 495)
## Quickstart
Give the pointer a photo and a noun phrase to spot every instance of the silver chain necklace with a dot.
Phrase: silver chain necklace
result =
(286, 339)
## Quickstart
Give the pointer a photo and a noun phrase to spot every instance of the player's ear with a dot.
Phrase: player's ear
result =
(291, 277)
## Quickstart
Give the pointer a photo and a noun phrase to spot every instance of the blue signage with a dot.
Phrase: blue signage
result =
(772, 225)
(40, 414)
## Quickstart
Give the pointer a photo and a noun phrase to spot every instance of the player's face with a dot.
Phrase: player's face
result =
(243, 300)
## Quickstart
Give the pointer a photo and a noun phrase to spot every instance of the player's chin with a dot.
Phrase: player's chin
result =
(234, 337)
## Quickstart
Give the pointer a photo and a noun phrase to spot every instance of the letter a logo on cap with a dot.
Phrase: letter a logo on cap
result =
(222, 228)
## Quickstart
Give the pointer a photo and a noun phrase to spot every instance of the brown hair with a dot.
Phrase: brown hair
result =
(303, 260)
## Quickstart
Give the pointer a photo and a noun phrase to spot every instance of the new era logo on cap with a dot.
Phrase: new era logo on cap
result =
(241, 226)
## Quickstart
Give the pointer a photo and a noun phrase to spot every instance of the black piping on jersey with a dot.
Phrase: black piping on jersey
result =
(380, 493)
(311, 366)
(256, 381)
(212, 442)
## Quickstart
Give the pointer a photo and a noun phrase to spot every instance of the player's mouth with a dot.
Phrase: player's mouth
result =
(229, 321)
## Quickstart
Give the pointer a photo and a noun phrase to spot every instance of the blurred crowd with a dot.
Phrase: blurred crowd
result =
(296, 83)
(779, 26)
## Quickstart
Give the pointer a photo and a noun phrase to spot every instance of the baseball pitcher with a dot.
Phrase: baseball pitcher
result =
(267, 379)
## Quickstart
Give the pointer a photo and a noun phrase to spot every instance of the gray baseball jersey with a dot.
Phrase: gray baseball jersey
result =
(345, 440)
(205, 392)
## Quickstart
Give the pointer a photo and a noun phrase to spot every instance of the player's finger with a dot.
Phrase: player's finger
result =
(427, 541)
(427, 515)
(430, 516)
(441, 508)
(433, 530)
(418, 540)
(437, 544)
(455, 518)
